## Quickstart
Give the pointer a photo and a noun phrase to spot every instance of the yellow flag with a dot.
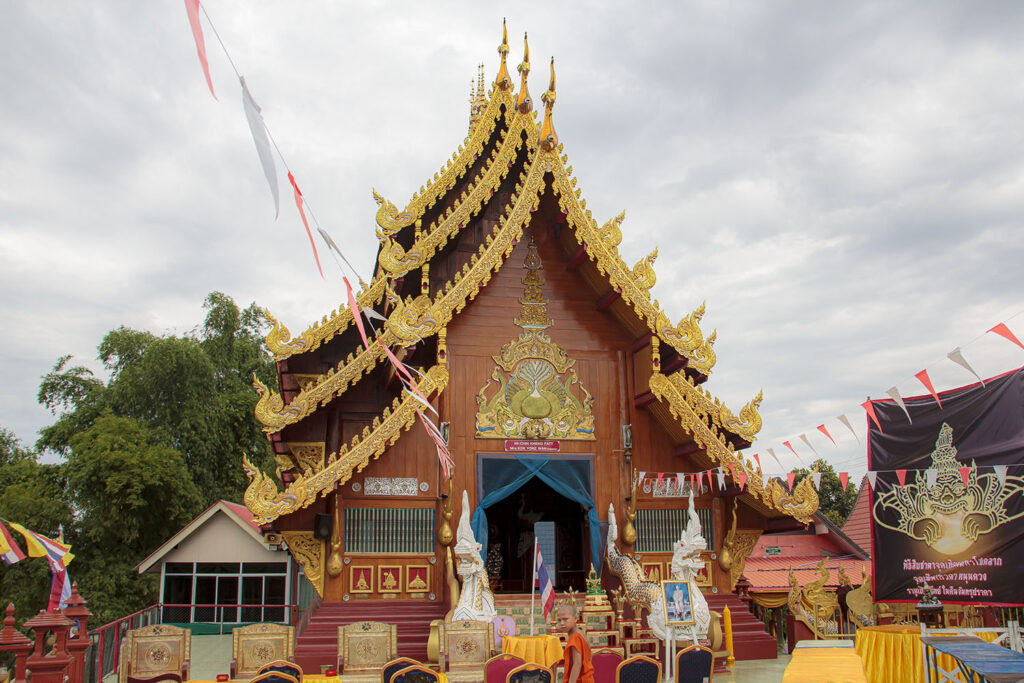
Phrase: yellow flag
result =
(35, 548)
(5, 547)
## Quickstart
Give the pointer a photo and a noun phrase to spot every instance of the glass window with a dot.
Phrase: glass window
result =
(227, 598)
(178, 568)
(273, 594)
(216, 567)
(206, 594)
(252, 597)
(264, 567)
(177, 599)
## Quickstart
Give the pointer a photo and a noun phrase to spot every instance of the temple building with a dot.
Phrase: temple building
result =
(551, 373)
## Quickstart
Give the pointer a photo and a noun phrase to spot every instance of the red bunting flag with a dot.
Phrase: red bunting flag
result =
(965, 474)
(869, 407)
(844, 477)
(793, 450)
(192, 7)
(661, 476)
(711, 486)
(1003, 331)
(791, 477)
(927, 382)
(732, 471)
(757, 459)
(700, 482)
(743, 480)
(902, 476)
(356, 315)
(298, 203)
(823, 430)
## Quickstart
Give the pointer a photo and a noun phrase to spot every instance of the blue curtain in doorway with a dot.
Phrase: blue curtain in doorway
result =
(569, 477)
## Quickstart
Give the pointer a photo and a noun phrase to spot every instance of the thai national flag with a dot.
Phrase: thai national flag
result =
(60, 588)
(9, 550)
(542, 580)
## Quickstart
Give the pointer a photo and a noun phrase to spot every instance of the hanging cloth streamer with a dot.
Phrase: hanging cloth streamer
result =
(302, 212)
(192, 7)
(259, 137)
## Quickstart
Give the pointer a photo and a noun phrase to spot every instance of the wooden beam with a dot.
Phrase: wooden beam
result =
(607, 300)
(676, 362)
(685, 449)
(642, 342)
(578, 258)
(641, 400)
(782, 524)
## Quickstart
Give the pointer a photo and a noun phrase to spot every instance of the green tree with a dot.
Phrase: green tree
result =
(836, 504)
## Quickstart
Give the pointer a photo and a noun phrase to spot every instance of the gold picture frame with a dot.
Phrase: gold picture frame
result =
(417, 578)
(706, 577)
(677, 598)
(360, 579)
(653, 571)
(389, 578)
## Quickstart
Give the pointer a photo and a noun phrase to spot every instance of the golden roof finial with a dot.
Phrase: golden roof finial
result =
(478, 100)
(524, 103)
(503, 81)
(548, 136)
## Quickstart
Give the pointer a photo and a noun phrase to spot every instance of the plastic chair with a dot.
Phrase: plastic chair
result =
(695, 664)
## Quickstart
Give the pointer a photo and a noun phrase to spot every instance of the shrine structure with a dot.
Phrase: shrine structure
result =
(556, 380)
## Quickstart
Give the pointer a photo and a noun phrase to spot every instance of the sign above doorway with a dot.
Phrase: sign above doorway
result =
(531, 446)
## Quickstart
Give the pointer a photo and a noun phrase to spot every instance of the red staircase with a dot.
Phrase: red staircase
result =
(318, 644)
(749, 637)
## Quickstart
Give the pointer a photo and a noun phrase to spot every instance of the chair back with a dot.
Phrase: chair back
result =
(273, 677)
(606, 660)
(694, 665)
(154, 650)
(530, 673)
(257, 645)
(366, 646)
(497, 667)
(394, 666)
(638, 669)
(282, 666)
(503, 626)
(416, 673)
(468, 644)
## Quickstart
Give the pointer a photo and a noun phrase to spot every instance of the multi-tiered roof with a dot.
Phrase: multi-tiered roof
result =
(508, 159)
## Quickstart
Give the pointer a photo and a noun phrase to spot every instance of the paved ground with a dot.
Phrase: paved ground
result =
(211, 655)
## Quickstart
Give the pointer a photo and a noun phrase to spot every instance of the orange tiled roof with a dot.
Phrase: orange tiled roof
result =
(767, 574)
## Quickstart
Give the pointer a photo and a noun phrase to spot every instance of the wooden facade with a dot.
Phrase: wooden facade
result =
(458, 255)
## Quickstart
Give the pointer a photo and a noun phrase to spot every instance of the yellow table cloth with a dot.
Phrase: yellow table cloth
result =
(306, 678)
(544, 649)
(824, 665)
(893, 653)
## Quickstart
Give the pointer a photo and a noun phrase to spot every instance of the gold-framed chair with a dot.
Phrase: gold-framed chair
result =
(283, 666)
(638, 669)
(468, 645)
(695, 664)
(530, 673)
(364, 647)
(606, 660)
(416, 673)
(497, 667)
(256, 645)
(152, 652)
(273, 677)
(394, 666)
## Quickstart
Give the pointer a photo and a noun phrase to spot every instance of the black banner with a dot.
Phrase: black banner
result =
(960, 530)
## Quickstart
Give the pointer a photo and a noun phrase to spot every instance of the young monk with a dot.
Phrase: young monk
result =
(577, 665)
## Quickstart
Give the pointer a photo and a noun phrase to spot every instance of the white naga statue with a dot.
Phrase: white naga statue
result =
(476, 602)
(686, 564)
(639, 591)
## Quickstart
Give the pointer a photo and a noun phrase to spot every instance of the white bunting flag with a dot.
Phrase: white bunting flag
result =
(370, 313)
(816, 478)
(1000, 471)
(721, 478)
(894, 394)
(872, 476)
(807, 442)
(931, 475)
(771, 452)
(259, 136)
(957, 357)
(640, 478)
(764, 479)
(846, 421)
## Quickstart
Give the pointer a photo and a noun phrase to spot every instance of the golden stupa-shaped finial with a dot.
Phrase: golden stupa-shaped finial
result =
(503, 81)
(534, 315)
(524, 103)
(477, 100)
(548, 137)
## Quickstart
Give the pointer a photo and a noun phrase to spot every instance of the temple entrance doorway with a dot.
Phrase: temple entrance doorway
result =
(511, 525)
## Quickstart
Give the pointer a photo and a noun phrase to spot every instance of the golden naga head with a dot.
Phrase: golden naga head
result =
(951, 514)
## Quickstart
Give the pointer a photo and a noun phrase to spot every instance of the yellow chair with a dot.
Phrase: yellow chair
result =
(152, 652)
(468, 645)
(256, 645)
(364, 647)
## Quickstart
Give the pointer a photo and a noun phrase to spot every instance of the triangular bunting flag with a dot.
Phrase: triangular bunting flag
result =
(902, 476)
(1003, 331)
(791, 477)
(710, 485)
(965, 475)
(869, 408)
(958, 357)
(931, 476)
(721, 478)
(679, 481)
(792, 450)
(259, 136)
(192, 7)
(1000, 471)
(844, 479)
(771, 452)
(872, 477)
(700, 482)
(816, 478)
(894, 394)
(807, 442)
(757, 459)
(732, 471)
(661, 476)
(743, 480)
(298, 202)
(846, 421)
(640, 478)
(927, 382)
(823, 430)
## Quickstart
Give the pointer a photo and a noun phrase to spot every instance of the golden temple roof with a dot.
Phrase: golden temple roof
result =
(507, 126)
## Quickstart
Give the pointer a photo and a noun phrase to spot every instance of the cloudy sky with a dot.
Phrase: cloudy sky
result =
(842, 182)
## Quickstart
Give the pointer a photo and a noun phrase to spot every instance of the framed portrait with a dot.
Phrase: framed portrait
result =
(389, 579)
(360, 579)
(678, 601)
(653, 571)
(417, 578)
(705, 577)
